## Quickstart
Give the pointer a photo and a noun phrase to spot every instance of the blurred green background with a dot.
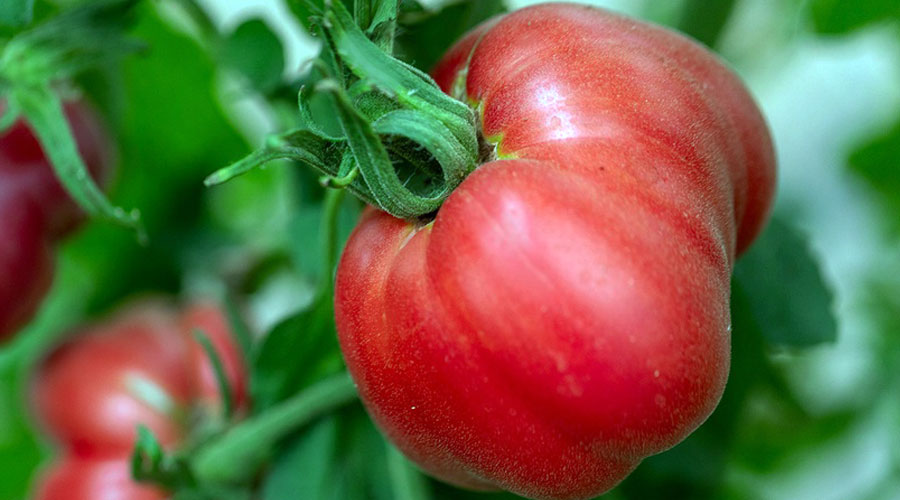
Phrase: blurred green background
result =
(805, 416)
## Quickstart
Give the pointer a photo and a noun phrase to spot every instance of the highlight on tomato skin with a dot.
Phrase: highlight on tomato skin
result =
(91, 393)
(140, 366)
(566, 313)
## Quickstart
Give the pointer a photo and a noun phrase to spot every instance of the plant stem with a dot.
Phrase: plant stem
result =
(237, 455)
(329, 234)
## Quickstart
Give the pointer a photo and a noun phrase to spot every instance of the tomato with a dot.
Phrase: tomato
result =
(93, 391)
(566, 313)
(210, 319)
(139, 367)
(23, 164)
(35, 211)
(26, 264)
(90, 479)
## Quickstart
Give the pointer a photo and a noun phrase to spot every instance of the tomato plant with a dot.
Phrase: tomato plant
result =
(555, 276)
(565, 314)
(37, 212)
(142, 367)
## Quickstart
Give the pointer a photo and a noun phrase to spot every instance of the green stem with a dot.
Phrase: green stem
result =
(329, 232)
(225, 391)
(239, 453)
(408, 483)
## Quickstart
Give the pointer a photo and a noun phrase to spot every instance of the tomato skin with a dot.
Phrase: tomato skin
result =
(74, 478)
(141, 366)
(87, 392)
(566, 313)
(26, 264)
(35, 211)
(23, 164)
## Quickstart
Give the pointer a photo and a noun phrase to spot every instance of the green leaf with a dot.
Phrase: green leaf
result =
(305, 10)
(408, 483)
(43, 111)
(789, 297)
(171, 132)
(306, 465)
(426, 35)
(20, 449)
(878, 162)
(65, 45)
(836, 17)
(299, 349)
(225, 390)
(254, 51)
(705, 20)
(239, 328)
(16, 13)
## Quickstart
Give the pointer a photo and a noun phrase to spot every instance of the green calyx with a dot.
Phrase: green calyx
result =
(398, 141)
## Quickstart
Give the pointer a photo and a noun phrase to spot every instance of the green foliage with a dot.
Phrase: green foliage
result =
(343, 458)
(705, 20)
(835, 17)
(256, 53)
(16, 12)
(878, 162)
(426, 34)
(791, 301)
(298, 350)
(171, 134)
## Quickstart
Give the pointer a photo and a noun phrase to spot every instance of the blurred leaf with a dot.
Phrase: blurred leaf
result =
(789, 298)
(425, 37)
(407, 481)
(298, 350)
(16, 12)
(306, 248)
(303, 13)
(841, 16)
(704, 20)
(878, 162)
(362, 471)
(255, 51)
(306, 465)
(343, 457)
(171, 134)
(19, 449)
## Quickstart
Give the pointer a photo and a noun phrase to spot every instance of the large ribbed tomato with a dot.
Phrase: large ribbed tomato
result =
(566, 313)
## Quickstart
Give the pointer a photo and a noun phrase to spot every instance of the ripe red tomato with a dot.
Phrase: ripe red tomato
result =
(139, 367)
(23, 164)
(75, 478)
(35, 211)
(566, 312)
(93, 391)
(26, 265)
